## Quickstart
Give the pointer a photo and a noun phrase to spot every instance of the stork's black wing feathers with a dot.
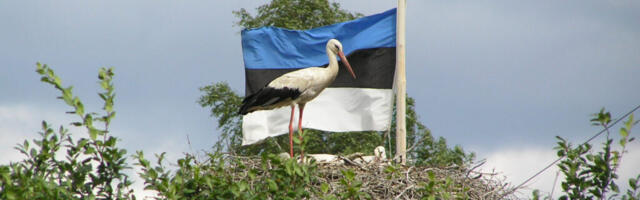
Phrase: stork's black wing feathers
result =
(266, 97)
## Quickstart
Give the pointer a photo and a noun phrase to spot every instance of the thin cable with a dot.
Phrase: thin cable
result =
(589, 140)
(555, 180)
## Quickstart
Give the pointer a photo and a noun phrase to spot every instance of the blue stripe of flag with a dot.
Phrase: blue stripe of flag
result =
(277, 48)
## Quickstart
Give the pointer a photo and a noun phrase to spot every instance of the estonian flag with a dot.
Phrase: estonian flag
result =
(348, 104)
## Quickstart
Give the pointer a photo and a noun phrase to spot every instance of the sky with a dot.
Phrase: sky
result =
(499, 78)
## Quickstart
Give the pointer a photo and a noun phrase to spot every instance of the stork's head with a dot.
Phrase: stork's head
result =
(335, 47)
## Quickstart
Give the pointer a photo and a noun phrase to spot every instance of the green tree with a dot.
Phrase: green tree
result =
(305, 14)
(295, 14)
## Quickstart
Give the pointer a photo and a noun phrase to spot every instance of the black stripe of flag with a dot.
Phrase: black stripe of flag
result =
(374, 68)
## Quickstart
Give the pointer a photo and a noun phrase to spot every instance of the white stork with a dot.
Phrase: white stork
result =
(297, 87)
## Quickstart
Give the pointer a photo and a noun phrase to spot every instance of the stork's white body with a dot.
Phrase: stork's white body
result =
(297, 87)
(309, 81)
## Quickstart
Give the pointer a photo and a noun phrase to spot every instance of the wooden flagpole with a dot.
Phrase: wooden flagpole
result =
(401, 84)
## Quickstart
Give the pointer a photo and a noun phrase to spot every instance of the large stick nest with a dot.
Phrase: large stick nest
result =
(381, 180)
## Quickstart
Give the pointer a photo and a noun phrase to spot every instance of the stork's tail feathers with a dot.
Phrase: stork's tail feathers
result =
(244, 109)
(267, 98)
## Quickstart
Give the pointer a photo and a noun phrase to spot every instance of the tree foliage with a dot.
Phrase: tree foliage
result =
(295, 14)
(305, 14)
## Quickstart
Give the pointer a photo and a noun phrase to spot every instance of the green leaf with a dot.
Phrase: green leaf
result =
(623, 142)
(349, 174)
(296, 140)
(624, 133)
(324, 187)
(242, 186)
(89, 150)
(33, 152)
(560, 153)
(272, 185)
(104, 85)
(298, 171)
(56, 80)
(629, 123)
(79, 107)
(102, 96)
(288, 167)
(93, 133)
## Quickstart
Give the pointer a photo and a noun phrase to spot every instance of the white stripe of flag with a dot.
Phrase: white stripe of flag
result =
(334, 110)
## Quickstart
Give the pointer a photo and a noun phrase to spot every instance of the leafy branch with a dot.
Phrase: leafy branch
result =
(93, 167)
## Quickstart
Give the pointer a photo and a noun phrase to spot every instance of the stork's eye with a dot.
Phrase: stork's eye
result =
(337, 47)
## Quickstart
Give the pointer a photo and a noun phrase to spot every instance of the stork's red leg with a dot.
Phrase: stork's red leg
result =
(301, 106)
(293, 109)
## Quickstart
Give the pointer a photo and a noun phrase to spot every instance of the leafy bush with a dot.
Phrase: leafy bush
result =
(591, 175)
(224, 178)
(92, 167)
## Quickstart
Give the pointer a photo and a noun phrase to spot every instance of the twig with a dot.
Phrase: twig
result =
(478, 165)
(277, 144)
(351, 162)
(416, 144)
(409, 171)
(403, 191)
(495, 189)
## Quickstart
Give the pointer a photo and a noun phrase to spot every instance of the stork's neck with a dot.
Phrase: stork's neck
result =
(333, 62)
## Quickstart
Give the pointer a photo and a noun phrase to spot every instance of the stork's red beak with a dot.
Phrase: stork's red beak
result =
(346, 63)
